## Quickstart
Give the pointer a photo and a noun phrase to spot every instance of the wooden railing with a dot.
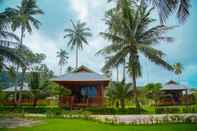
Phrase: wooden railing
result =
(69, 101)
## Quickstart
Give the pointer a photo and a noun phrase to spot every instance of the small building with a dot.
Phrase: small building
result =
(14, 89)
(174, 94)
(87, 88)
(13, 94)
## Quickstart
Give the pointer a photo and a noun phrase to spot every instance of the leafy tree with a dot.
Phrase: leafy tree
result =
(120, 91)
(63, 56)
(131, 34)
(77, 35)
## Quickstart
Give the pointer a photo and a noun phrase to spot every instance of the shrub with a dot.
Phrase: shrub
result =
(113, 111)
(30, 109)
(190, 109)
(167, 110)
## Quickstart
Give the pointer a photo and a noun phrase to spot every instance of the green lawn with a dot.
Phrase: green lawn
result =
(83, 125)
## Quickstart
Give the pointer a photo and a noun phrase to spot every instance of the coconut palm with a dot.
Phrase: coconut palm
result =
(165, 7)
(178, 68)
(63, 56)
(77, 35)
(23, 17)
(131, 35)
(119, 91)
(8, 39)
(69, 69)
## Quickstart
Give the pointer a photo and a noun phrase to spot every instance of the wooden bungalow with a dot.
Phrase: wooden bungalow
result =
(87, 88)
(174, 94)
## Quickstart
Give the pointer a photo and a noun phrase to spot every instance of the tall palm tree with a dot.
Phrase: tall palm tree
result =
(165, 7)
(63, 56)
(8, 39)
(77, 35)
(23, 17)
(131, 36)
(178, 68)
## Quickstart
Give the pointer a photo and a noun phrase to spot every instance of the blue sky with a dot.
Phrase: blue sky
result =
(58, 13)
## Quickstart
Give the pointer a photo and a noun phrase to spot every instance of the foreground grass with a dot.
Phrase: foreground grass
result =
(83, 125)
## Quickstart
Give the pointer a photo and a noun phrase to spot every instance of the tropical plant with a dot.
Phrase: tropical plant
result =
(63, 56)
(178, 68)
(77, 35)
(119, 91)
(165, 7)
(69, 69)
(39, 82)
(152, 91)
(38, 87)
(131, 35)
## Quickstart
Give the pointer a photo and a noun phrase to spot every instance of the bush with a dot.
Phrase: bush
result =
(167, 110)
(175, 109)
(113, 111)
(190, 109)
(30, 109)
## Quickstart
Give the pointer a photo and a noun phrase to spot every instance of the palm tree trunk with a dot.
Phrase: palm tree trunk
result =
(77, 56)
(60, 69)
(122, 103)
(20, 46)
(21, 87)
(135, 89)
(35, 100)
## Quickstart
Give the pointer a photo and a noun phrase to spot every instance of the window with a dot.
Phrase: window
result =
(88, 91)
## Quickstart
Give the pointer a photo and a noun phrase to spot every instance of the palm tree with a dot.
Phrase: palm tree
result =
(152, 91)
(23, 18)
(131, 36)
(69, 69)
(119, 91)
(63, 56)
(165, 8)
(8, 39)
(77, 37)
(178, 68)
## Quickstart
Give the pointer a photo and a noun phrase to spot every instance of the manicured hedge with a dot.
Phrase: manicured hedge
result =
(175, 109)
(164, 110)
(29, 109)
(111, 111)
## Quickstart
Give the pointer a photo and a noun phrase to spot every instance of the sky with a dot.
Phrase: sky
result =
(57, 15)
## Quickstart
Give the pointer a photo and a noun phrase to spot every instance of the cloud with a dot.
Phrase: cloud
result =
(40, 43)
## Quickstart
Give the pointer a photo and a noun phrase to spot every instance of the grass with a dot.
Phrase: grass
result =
(83, 125)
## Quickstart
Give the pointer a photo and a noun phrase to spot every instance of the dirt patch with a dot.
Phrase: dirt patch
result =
(17, 122)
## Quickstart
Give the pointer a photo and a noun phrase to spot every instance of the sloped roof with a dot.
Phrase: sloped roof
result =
(12, 89)
(174, 86)
(81, 74)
